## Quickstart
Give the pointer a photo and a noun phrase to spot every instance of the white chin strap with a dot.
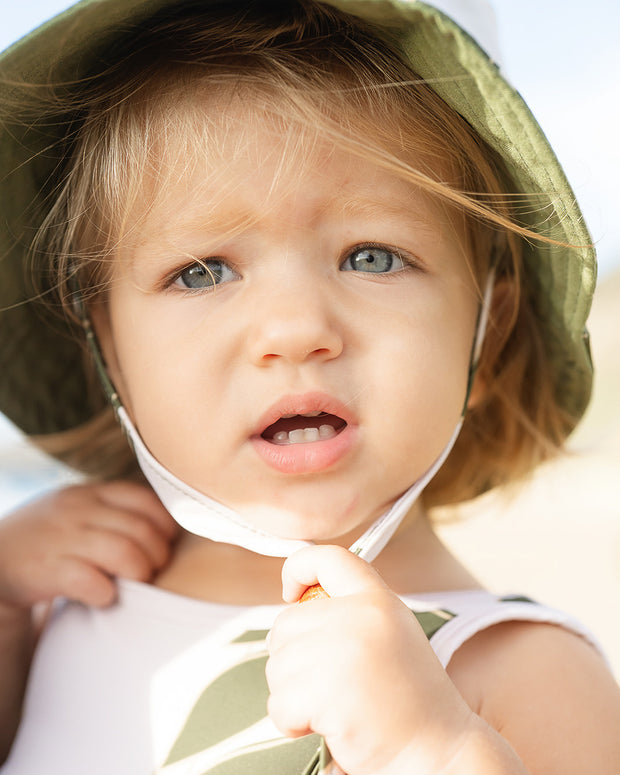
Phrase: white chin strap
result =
(208, 518)
(200, 514)
(205, 517)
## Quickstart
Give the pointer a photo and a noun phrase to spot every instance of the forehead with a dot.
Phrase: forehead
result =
(232, 155)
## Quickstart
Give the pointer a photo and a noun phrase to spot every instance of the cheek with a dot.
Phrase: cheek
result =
(139, 352)
(421, 378)
(428, 389)
(173, 378)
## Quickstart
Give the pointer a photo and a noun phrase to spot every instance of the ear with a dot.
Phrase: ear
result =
(504, 305)
(99, 316)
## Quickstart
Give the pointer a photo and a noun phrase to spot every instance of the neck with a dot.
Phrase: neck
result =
(414, 561)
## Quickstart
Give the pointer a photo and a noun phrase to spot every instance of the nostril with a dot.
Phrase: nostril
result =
(317, 352)
(293, 338)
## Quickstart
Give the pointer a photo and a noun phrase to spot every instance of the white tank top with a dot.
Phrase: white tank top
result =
(151, 685)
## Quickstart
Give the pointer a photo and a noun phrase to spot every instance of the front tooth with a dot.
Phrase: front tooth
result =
(301, 435)
(312, 414)
(311, 434)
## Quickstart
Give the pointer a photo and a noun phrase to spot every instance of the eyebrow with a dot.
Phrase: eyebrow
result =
(369, 207)
(237, 220)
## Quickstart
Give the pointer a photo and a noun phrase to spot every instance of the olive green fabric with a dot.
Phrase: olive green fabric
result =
(223, 724)
(43, 387)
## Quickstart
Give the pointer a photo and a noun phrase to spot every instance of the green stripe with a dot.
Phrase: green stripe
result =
(234, 701)
(280, 757)
(251, 636)
(432, 621)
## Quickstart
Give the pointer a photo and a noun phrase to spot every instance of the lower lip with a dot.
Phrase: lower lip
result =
(306, 458)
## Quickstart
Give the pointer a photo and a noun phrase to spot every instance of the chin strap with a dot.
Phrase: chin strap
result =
(200, 514)
(210, 519)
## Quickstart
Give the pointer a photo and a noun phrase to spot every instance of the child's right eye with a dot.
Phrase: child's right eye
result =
(204, 274)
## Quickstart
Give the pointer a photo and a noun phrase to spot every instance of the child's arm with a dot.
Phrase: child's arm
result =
(71, 543)
(357, 669)
(549, 691)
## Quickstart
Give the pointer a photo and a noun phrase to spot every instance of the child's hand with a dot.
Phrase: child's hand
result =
(73, 543)
(357, 669)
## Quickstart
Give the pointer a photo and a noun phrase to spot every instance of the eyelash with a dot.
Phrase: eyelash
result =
(408, 262)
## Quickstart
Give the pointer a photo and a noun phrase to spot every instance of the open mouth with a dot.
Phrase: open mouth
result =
(304, 428)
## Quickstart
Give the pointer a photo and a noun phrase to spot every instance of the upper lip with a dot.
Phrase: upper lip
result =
(303, 404)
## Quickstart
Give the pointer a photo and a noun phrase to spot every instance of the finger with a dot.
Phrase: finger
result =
(114, 553)
(131, 496)
(301, 682)
(83, 582)
(293, 625)
(290, 718)
(134, 527)
(291, 685)
(336, 569)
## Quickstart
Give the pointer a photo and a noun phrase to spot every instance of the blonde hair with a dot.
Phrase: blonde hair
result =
(336, 78)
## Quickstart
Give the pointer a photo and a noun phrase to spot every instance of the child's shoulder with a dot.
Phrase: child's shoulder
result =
(547, 688)
(454, 618)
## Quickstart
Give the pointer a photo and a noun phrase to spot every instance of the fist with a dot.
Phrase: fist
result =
(355, 667)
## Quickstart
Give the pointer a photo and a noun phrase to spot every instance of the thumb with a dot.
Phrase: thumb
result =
(336, 569)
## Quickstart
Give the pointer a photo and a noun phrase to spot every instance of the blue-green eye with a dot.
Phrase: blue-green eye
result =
(204, 274)
(376, 260)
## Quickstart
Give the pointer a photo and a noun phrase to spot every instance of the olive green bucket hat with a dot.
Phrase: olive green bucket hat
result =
(43, 383)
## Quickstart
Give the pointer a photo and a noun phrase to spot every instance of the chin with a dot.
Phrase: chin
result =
(304, 526)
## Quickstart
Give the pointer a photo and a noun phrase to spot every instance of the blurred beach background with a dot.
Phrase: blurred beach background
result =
(559, 539)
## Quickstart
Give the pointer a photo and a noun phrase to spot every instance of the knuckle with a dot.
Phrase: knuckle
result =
(151, 541)
(287, 716)
(76, 494)
(142, 530)
(131, 493)
(69, 505)
(127, 559)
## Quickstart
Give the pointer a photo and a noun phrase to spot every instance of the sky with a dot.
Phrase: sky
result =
(564, 58)
(562, 55)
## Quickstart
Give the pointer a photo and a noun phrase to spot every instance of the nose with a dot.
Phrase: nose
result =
(295, 326)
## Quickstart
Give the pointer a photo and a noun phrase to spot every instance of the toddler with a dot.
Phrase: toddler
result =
(280, 277)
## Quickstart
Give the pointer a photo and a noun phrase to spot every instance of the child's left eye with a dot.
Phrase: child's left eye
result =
(376, 260)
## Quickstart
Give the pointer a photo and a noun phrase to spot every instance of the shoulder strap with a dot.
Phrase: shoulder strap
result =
(454, 618)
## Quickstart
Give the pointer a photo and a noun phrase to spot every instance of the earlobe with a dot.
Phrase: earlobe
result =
(477, 392)
(504, 306)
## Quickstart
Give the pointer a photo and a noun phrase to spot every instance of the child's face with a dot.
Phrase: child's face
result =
(333, 287)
